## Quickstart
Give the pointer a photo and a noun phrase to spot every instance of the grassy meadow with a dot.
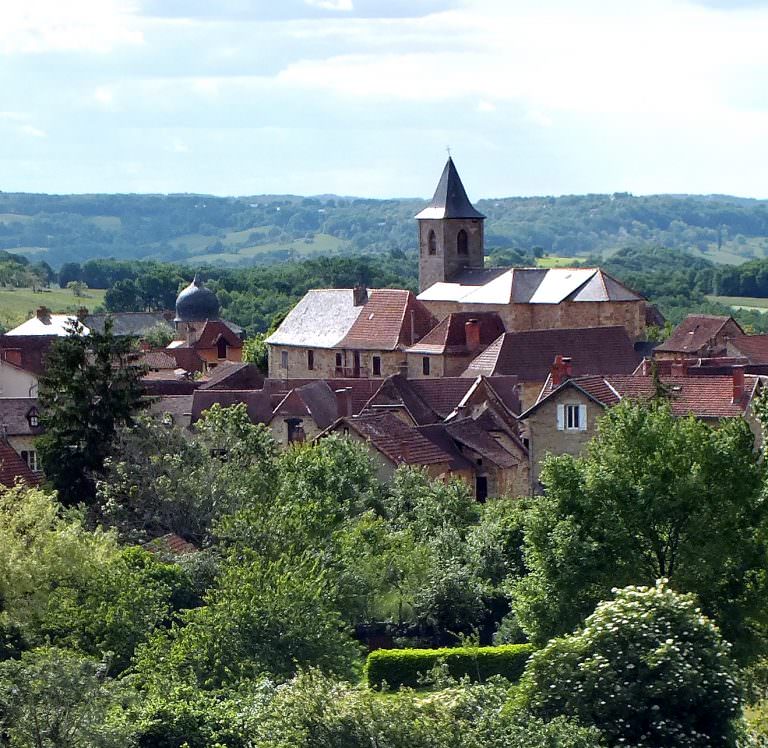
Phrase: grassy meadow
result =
(19, 304)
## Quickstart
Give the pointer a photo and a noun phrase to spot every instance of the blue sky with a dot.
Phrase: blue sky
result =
(361, 97)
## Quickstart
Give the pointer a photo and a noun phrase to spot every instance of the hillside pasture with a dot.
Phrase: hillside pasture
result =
(19, 304)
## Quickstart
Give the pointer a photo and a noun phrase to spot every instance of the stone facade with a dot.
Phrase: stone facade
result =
(545, 438)
(16, 382)
(325, 364)
(567, 314)
(440, 248)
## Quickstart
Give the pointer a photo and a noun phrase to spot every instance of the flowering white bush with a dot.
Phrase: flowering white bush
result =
(648, 669)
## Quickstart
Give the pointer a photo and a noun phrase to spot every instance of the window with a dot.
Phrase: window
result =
(30, 457)
(339, 360)
(462, 243)
(425, 366)
(310, 360)
(376, 366)
(33, 418)
(571, 417)
(221, 348)
(432, 243)
(481, 488)
(295, 428)
(283, 359)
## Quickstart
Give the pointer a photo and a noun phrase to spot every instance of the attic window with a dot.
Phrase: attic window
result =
(33, 418)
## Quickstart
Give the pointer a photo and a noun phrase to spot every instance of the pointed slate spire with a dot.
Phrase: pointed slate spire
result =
(450, 199)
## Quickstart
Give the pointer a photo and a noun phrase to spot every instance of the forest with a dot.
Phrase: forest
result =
(265, 229)
(624, 606)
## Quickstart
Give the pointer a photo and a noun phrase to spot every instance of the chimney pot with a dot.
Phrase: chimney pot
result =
(472, 334)
(562, 369)
(43, 314)
(359, 295)
(344, 402)
(738, 384)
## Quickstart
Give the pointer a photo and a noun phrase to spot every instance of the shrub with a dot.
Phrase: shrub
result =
(405, 667)
(648, 670)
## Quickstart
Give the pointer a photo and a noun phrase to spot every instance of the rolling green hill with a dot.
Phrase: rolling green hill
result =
(265, 229)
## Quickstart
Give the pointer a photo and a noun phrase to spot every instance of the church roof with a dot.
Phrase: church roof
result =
(450, 199)
(529, 286)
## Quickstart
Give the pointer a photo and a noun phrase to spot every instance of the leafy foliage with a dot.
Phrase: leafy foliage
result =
(647, 669)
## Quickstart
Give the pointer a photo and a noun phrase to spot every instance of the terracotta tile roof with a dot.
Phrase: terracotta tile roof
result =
(753, 347)
(13, 468)
(390, 319)
(701, 396)
(471, 434)
(233, 375)
(362, 389)
(157, 360)
(529, 355)
(171, 543)
(187, 359)
(257, 402)
(696, 332)
(212, 331)
(450, 336)
(404, 444)
(426, 400)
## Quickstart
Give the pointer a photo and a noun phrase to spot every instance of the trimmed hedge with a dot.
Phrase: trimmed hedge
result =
(404, 667)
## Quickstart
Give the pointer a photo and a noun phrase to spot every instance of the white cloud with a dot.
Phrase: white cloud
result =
(35, 26)
(104, 95)
(486, 106)
(339, 5)
(32, 131)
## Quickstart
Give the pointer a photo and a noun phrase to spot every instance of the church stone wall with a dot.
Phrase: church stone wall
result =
(446, 261)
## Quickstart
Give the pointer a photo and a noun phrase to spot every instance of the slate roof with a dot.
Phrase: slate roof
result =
(362, 389)
(702, 396)
(234, 375)
(159, 384)
(315, 399)
(471, 434)
(694, 333)
(179, 407)
(26, 351)
(320, 320)
(450, 199)
(403, 444)
(13, 468)
(14, 416)
(529, 355)
(157, 360)
(390, 319)
(130, 323)
(449, 337)
(257, 402)
(530, 286)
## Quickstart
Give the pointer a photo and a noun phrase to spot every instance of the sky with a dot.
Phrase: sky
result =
(363, 97)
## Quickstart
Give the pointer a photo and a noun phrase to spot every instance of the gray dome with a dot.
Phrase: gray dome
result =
(196, 303)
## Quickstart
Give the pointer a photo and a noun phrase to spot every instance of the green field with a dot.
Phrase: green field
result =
(559, 262)
(320, 244)
(19, 304)
(741, 302)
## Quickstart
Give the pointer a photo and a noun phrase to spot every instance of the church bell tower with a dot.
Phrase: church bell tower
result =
(450, 232)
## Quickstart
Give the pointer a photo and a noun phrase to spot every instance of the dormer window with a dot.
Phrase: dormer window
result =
(33, 418)
(432, 243)
(221, 348)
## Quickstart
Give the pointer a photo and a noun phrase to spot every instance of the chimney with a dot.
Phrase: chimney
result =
(359, 295)
(344, 402)
(82, 313)
(472, 334)
(679, 368)
(645, 370)
(562, 369)
(413, 326)
(43, 313)
(738, 384)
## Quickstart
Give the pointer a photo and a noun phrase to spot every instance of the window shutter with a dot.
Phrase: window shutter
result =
(561, 417)
(582, 417)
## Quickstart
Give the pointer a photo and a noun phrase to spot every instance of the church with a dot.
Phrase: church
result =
(460, 305)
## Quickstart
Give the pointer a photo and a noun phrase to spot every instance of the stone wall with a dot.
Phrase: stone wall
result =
(544, 438)
(446, 261)
(324, 363)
